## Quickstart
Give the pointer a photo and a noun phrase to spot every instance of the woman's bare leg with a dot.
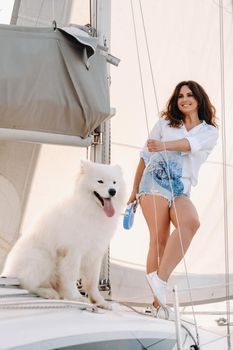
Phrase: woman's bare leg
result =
(184, 217)
(156, 212)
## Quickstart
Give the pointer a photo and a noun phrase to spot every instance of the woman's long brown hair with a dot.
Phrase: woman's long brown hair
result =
(206, 110)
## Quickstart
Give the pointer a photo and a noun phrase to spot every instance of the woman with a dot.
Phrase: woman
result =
(177, 146)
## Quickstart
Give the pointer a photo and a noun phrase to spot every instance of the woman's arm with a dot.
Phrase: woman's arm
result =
(137, 179)
(181, 145)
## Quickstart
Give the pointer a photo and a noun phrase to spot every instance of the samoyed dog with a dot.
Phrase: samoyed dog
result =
(69, 242)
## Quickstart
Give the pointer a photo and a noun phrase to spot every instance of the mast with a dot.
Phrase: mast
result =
(101, 149)
(100, 20)
(15, 12)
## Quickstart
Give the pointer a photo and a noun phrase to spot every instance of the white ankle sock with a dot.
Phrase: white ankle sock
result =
(155, 275)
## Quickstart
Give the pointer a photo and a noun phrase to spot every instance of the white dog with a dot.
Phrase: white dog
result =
(70, 241)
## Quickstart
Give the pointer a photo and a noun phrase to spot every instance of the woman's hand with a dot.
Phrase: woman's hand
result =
(155, 146)
(132, 197)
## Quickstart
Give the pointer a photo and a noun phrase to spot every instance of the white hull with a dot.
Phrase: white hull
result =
(29, 322)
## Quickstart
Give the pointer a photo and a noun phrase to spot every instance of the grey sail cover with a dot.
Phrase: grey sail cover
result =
(45, 84)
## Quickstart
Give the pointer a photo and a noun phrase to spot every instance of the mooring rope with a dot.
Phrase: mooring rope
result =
(224, 170)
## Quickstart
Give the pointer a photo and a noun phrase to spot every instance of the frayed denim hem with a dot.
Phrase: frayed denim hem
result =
(156, 193)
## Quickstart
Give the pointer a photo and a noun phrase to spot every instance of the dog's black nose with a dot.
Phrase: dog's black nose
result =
(112, 192)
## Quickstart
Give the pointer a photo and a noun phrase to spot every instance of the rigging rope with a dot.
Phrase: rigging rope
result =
(170, 182)
(53, 11)
(168, 170)
(146, 116)
(225, 212)
(40, 9)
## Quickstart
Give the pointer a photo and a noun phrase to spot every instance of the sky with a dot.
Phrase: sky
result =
(5, 11)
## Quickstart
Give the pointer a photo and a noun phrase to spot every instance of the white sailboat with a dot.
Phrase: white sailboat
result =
(179, 48)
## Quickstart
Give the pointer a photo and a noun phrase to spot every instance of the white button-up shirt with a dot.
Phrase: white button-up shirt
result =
(202, 139)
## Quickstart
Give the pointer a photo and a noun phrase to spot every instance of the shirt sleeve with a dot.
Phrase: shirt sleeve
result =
(205, 139)
(155, 133)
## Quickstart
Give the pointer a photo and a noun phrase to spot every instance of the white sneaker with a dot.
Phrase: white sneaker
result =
(158, 287)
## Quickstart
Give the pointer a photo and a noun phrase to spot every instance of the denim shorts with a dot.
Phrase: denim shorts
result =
(163, 176)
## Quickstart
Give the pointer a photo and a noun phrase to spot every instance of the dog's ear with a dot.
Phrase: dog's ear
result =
(84, 166)
(116, 166)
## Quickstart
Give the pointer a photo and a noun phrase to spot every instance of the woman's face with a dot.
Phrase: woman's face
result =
(186, 101)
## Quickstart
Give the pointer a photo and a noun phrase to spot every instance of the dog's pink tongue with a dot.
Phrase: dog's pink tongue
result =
(108, 208)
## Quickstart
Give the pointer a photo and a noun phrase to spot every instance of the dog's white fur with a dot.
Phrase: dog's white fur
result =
(70, 241)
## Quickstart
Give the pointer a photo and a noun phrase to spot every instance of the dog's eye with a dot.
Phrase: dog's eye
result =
(114, 182)
(100, 181)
